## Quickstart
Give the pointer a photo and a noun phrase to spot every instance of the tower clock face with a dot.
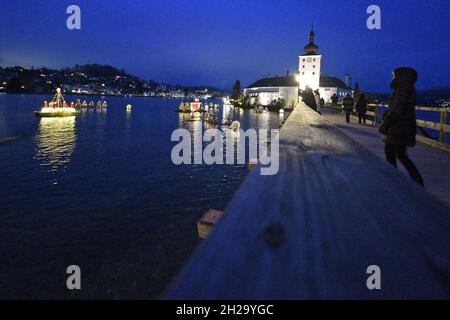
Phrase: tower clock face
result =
(309, 59)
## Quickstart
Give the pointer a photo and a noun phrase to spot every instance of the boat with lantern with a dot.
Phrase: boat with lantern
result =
(57, 107)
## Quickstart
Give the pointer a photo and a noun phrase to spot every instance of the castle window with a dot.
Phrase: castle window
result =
(303, 73)
(314, 66)
(314, 73)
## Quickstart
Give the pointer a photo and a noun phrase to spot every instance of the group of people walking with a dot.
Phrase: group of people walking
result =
(361, 107)
(314, 101)
(399, 121)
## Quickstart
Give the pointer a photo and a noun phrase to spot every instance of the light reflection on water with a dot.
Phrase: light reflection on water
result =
(197, 129)
(55, 143)
(100, 190)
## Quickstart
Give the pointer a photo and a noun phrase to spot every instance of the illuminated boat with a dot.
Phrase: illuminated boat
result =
(57, 107)
(195, 116)
(235, 125)
(185, 107)
(196, 106)
(211, 117)
(91, 104)
(84, 104)
(105, 105)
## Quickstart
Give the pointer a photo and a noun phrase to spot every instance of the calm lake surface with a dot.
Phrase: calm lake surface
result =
(100, 191)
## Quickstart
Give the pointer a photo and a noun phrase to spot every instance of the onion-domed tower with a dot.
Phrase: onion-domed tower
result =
(311, 47)
(309, 65)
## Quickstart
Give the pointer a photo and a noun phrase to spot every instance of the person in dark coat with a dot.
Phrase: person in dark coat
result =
(399, 124)
(334, 102)
(309, 99)
(348, 104)
(318, 103)
(361, 108)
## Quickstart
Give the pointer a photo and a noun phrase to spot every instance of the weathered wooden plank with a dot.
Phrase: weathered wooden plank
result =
(434, 143)
(434, 125)
(433, 163)
(311, 231)
(428, 124)
(431, 109)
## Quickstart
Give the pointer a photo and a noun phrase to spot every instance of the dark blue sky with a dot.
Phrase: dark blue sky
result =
(214, 42)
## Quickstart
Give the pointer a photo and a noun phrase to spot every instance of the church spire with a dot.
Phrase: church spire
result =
(312, 35)
(311, 48)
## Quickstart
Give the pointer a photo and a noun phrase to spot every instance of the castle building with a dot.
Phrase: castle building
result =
(309, 74)
(266, 90)
(309, 65)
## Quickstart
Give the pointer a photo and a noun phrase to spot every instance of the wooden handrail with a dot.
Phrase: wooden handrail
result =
(440, 109)
(442, 126)
(312, 230)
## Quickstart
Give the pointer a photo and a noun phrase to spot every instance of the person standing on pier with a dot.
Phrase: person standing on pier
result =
(309, 99)
(334, 102)
(318, 101)
(361, 108)
(399, 124)
(348, 104)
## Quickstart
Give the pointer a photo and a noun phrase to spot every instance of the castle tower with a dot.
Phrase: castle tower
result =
(309, 65)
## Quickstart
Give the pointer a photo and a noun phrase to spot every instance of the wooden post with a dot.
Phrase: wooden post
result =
(443, 122)
(208, 222)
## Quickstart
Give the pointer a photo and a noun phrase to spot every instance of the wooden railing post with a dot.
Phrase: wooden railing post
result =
(443, 122)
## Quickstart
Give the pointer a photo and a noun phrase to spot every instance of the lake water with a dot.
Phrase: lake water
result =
(100, 191)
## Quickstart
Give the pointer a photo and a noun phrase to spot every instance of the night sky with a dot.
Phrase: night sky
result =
(214, 42)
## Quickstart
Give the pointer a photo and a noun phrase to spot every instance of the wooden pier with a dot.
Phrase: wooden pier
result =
(313, 230)
(374, 114)
(430, 156)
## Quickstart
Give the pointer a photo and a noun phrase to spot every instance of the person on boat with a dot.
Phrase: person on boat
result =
(399, 123)
(361, 108)
(348, 104)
